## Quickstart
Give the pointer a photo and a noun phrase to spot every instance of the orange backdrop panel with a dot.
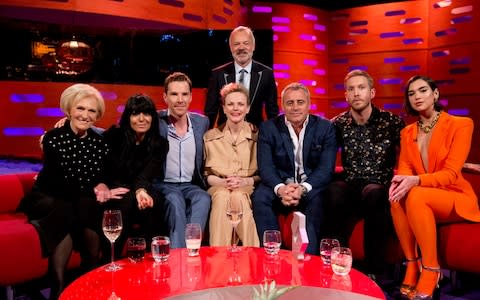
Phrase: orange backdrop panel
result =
(359, 29)
(26, 114)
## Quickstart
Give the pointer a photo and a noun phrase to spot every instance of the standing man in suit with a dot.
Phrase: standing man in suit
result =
(296, 158)
(186, 201)
(256, 77)
(369, 139)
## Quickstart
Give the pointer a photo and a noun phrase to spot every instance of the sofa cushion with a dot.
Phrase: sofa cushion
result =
(458, 246)
(20, 253)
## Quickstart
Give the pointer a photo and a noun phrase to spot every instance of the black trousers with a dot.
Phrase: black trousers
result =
(346, 204)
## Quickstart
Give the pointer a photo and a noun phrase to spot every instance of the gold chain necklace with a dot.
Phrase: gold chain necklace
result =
(428, 128)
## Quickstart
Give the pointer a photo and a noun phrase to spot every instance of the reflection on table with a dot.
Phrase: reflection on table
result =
(215, 267)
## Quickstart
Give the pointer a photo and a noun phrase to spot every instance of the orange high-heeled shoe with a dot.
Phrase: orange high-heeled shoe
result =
(405, 288)
(421, 293)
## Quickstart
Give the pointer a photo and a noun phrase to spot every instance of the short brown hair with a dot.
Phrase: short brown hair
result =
(358, 72)
(177, 76)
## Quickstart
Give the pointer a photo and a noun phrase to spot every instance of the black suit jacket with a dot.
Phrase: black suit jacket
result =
(263, 91)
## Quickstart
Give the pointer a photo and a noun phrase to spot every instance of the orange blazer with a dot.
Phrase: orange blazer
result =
(447, 152)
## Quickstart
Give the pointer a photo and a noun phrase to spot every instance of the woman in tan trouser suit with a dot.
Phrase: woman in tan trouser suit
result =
(231, 168)
(429, 187)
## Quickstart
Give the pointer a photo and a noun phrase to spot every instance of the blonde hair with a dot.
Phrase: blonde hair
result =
(358, 72)
(77, 92)
(232, 88)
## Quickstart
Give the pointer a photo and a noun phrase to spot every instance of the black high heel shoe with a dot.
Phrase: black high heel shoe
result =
(417, 295)
(407, 289)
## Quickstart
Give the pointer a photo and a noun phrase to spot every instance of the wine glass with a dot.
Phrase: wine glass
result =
(112, 227)
(234, 215)
(326, 246)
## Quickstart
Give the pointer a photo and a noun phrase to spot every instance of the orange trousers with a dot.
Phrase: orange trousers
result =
(416, 217)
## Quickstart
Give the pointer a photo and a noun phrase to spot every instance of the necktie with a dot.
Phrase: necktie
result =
(242, 76)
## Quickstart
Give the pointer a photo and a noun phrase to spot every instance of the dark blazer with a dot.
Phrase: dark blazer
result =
(263, 91)
(275, 157)
(199, 126)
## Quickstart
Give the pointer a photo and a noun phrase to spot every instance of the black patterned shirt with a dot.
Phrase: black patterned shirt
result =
(369, 151)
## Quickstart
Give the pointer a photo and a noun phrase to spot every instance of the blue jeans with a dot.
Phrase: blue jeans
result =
(267, 206)
(184, 203)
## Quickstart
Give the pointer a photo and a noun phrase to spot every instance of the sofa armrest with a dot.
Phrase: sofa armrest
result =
(13, 187)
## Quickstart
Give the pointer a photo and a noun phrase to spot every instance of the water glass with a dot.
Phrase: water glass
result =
(272, 240)
(136, 247)
(341, 260)
(326, 246)
(160, 248)
(193, 238)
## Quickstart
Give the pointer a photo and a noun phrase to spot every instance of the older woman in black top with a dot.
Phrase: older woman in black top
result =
(62, 205)
(137, 156)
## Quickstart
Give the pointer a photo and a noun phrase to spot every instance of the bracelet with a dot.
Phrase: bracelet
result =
(140, 190)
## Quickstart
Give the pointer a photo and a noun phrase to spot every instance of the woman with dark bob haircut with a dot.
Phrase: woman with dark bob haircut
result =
(137, 157)
(429, 187)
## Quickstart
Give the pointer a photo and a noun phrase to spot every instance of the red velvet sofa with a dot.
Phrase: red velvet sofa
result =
(20, 252)
(458, 244)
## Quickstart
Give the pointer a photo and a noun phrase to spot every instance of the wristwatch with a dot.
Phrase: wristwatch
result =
(304, 190)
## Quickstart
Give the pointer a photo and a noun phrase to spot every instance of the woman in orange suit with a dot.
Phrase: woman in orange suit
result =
(429, 187)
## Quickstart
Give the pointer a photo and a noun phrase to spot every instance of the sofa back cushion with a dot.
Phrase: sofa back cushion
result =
(13, 187)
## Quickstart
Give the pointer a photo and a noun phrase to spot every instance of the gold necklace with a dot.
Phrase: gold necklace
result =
(428, 128)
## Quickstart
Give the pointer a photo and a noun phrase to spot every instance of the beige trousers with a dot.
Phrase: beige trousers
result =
(221, 228)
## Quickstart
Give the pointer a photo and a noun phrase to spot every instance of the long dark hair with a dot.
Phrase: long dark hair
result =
(431, 83)
(137, 104)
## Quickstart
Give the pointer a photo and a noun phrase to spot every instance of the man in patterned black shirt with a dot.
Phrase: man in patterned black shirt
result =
(369, 139)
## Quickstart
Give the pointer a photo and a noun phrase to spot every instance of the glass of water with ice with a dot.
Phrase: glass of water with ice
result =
(272, 240)
(341, 260)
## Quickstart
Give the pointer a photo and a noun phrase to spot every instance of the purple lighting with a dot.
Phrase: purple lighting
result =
(391, 81)
(27, 98)
(262, 9)
(461, 19)
(308, 37)
(446, 32)
(281, 20)
(320, 91)
(440, 53)
(391, 60)
(358, 23)
(320, 47)
(392, 13)
(345, 42)
(49, 112)
(319, 27)
(281, 75)
(459, 112)
(386, 35)
(281, 66)
(320, 72)
(413, 41)
(411, 21)
(308, 82)
(310, 62)
(23, 131)
(280, 28)
(109, 95)
(310, 17)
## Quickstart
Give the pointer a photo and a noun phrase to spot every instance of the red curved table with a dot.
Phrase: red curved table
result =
(215, 267)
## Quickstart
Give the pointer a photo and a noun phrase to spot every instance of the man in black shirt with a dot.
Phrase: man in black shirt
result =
(369, 140)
